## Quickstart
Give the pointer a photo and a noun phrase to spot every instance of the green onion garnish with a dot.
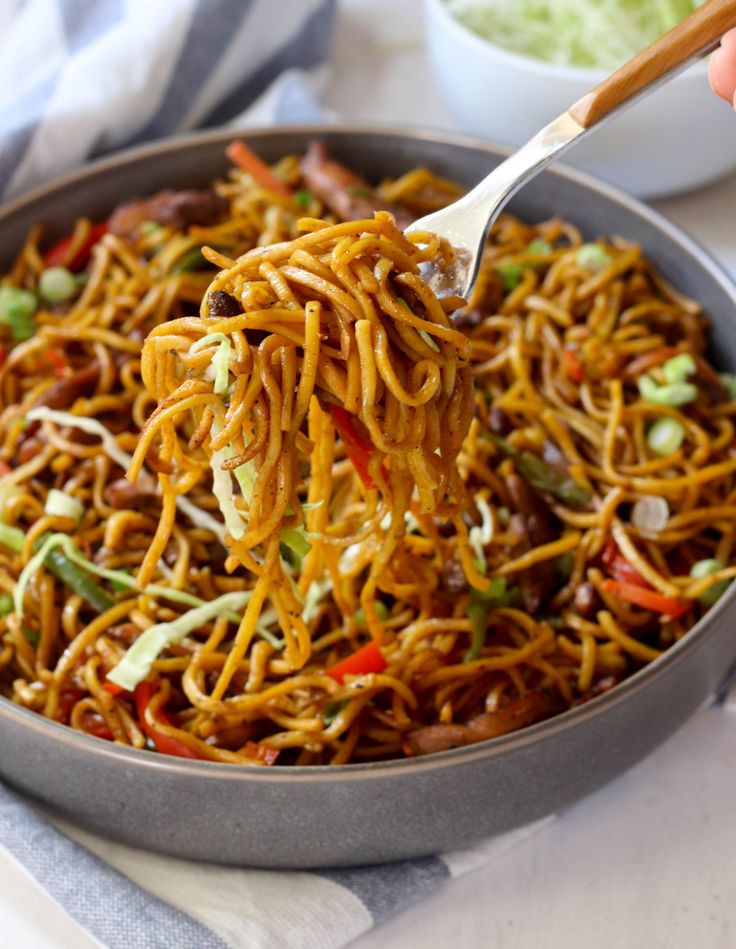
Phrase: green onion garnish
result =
(510, 275)
(57, 284)
(538, 246)
(665, 436)
(673, 394)
(704, 568)
(303, 197)
(16, 312)
(593, 257)
(679, 368)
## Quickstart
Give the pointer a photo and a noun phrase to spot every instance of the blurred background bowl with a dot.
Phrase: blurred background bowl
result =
(678, 138)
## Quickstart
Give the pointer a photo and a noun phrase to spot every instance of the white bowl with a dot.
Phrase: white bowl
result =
(678, 138)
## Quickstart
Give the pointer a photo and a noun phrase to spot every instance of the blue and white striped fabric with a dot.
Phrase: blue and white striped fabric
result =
(81, 77)
(127, 899)
(104, 74)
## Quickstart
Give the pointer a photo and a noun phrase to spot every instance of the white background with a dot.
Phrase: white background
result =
(647, 861)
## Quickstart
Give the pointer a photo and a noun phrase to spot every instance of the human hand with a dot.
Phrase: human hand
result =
(722, 68)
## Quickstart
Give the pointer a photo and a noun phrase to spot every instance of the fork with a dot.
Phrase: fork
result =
(466, 223)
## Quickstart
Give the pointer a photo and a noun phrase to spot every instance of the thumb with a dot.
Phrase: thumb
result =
(722, 68)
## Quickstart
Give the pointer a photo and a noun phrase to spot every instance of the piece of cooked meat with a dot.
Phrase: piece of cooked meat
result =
(520, 712)
(344, 192)
(178, 209)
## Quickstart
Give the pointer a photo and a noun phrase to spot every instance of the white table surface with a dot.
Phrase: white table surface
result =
(649, 860)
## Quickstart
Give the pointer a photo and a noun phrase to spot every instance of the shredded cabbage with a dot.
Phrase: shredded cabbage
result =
(316, 592)
(90, 425)
(223, 489)
(14, 538)
(110, 446)
(589, 33)
(480, 536)
(137, 661)
(220, 360)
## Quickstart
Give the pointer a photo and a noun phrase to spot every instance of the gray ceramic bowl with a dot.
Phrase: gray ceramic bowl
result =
(370, 813)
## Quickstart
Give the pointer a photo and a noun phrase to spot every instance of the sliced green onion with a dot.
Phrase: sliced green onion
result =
(704, 568)
(136, 664)
(32, 635)
(359, 191)
(12, 537)
(479, 609)
(62, 567)
(381, 612)
(429, 340)
(544, 477)
(728, 381)
(510, 275)
(564, 564)
(665, 436)
(120, 586)
(6, 604)
(539, 246)
(61, 504)
(192, 260)
(679, 368)
(650, 513)
(332, 710)
(303, 197)
(504, 515)
(673, 395)
(57, 284)
(16, 312)
(593, 257)
(149, 227)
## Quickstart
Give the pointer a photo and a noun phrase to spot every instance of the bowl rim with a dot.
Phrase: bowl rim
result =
(456, 757)
(588, 76)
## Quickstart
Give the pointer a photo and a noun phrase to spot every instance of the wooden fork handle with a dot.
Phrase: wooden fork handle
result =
(695, 36)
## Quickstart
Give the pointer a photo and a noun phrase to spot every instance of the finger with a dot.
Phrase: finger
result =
(722, 68)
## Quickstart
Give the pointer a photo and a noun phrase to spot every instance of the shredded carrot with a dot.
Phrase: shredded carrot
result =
(647, 599)
(575, 369)
(247, 160)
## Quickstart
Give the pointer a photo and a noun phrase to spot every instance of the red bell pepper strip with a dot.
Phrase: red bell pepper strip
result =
(167, 745)
(4, 468)
(67, 700)
(267, 755)
(58, 360)
(620, 568)
(358, 448)
(112, 687)
(647, 599)
(3, 355)
(247, 160)
(574, 367)
(367, 659)
(56, 255)
(99, 729)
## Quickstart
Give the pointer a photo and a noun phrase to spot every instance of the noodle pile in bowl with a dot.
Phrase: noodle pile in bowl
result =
(357, 526)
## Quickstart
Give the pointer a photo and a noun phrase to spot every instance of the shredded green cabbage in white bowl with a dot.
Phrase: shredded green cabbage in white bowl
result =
(591, 33)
